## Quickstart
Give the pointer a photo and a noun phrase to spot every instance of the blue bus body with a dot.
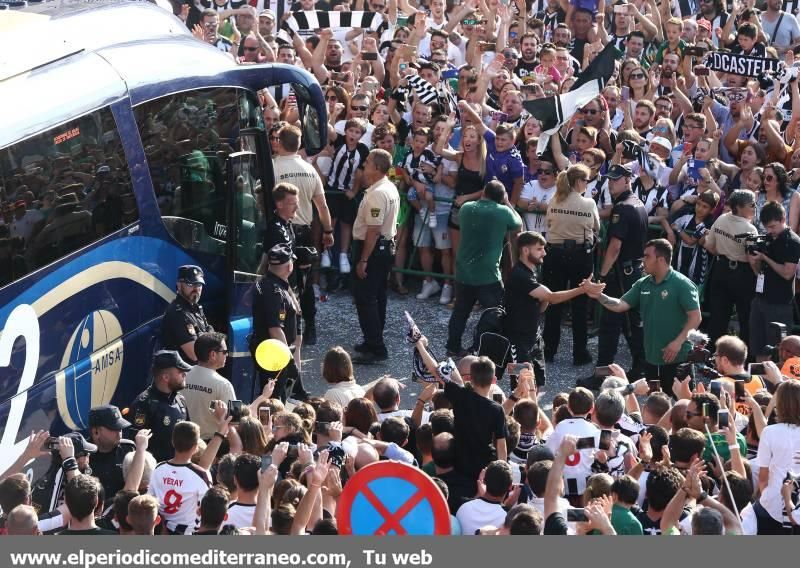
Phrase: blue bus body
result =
(78, 327)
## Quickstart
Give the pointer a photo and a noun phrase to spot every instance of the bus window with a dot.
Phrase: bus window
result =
(188, 138)
(65, 188)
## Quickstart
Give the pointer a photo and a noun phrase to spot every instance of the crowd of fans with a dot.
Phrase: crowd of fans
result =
(443, 88)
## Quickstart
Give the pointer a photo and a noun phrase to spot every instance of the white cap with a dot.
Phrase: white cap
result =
(663, 142)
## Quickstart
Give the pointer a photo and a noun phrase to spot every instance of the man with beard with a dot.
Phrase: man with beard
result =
(525, 299)
(161, 406)
(528, 61)
(208, 31)
(184, 319)
(624, 23)
(781, 37)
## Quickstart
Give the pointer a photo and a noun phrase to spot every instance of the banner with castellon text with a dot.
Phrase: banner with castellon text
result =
(740, 64)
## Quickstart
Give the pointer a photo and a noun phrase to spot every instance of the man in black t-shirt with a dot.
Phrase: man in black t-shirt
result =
(81, 496)
(525, 299)
(775, 274)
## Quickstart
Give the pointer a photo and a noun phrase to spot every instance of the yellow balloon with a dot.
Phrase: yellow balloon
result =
(272, 355)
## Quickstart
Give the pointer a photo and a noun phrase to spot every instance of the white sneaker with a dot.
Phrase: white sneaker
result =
(429, 288)
(325, 260)
(317, 292)
(447, 294)
(344, 264)
(432, 222)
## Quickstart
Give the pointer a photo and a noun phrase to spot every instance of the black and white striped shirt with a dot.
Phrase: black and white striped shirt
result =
(344, 165)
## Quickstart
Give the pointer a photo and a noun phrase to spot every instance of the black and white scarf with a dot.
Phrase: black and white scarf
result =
(318, 19)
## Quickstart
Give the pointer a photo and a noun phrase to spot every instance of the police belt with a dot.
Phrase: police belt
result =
(570, 245)
(732, 264)
(627, 266)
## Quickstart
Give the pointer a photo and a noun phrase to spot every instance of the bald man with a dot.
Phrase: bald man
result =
(789, 347)
(23, 521)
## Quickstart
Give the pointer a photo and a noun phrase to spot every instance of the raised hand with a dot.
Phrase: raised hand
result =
(142, 439)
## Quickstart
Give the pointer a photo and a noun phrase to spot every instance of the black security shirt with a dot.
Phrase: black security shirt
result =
(629, 225)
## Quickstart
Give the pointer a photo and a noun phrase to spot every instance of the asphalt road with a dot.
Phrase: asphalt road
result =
(337, 324)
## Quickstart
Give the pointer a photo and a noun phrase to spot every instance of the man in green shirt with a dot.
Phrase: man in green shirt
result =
(669, 307)
(484, 225)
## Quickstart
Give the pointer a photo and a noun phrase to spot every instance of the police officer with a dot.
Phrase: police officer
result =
(184, 319)
(732, 281)
(276, 315)
(621, 267)
(161, 405)
(572, 225)
(525, 299)
(105, 429)
(280, 230)
(373, 246)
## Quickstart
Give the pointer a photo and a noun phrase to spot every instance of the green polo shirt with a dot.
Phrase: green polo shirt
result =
(663, 308)
(625, 522)
(484, 225)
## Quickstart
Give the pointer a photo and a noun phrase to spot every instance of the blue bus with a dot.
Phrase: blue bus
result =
(127, 148)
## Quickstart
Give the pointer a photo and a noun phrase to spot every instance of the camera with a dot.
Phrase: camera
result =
(754, 243)
(776, 332)
(698, 361)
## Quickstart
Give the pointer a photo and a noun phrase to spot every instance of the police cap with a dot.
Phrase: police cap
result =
(169, 359)
(107, 416)
(280, 254)
(191, 274)
(617, 171)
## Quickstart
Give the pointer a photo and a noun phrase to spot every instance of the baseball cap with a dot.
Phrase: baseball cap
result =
(617, 171)
(539, 453)
(280, 254)
(82, 446)
(107, 416)
(703, 23)
(663, 142)
(168, 359)
(191, 274)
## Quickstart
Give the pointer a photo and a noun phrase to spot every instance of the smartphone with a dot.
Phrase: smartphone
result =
(266, 461)
(688, 148)
(601, 372)
(701, 71)
(498, 398)
(369, 56)
(586, 443)
(620, 9)
(606, 437)
(738, 387)
(263, 415)
(715, 387)
(626, 94)
(487, 46)
(498, 116)
(517, 368)
(577, 515)
(403, 66)
(235, 410)
(705, 409)
(655, 386)
(402, 21)
(51, 445)
(723, 417)
(695, 50)
(338, 76)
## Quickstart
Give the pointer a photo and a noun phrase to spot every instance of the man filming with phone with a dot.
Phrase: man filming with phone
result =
(775, 266)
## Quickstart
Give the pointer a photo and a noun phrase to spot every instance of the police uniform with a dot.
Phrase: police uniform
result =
(732, 281)
(629, 225)
(184, 321)
(159, 411)
(571, 228)
(379, 208)
(275, 305)
(107, 466)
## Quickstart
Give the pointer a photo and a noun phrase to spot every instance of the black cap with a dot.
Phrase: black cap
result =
(108, 416)
(280, 254)
(80, 443)
(191, 274)
(169, 359)
(617, 171)
(539, 453)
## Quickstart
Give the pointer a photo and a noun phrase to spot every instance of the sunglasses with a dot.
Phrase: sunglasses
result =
(769, 177)
(274, 138)
(331, 98)
(248, 48)
(636, 76)
(542, 172)
(509, 55)
(361, 108)
(591, 111)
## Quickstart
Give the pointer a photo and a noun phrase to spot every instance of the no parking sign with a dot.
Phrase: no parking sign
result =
(392, 498)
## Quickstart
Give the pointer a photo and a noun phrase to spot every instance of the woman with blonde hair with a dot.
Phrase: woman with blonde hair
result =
(572, 226)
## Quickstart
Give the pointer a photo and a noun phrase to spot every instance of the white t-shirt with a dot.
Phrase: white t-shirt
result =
(533, 189)
(239, 515)
(579, 465)
(479, 513)
(776, 449)
(179, 489)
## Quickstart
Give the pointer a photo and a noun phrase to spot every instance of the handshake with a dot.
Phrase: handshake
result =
(592, 289)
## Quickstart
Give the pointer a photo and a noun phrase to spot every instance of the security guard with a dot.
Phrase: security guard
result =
(184, 319)
(276, 315)
(105, 429)
(572, 226)
(732, 281)
(280, 230)
(621, 267)
(373, 246)
(161, 405)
